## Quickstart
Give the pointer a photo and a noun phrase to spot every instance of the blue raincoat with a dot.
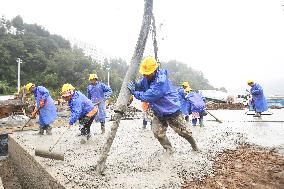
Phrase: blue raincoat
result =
(183, 102)
(98, 93)
(258, 98)
(159, 93)
(196, 102)
(80, 106)
(47, 114)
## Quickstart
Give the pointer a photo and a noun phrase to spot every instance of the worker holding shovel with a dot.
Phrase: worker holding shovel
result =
(45, 107)
(81, 107)
(98, 93)
(258, 98)
(156, 89)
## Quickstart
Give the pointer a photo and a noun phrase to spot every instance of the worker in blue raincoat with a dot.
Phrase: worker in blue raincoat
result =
(258, 99)
(156, 89)
(196, 106)
(98, 93)
(183, 103)
(81, 107)
(45, 107)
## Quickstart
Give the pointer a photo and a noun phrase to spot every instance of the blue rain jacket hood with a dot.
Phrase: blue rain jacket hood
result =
(258, 98)
(159, 93)
(196, 102)
(47, 114)
(98, 93)
(183, 102)
(80, 106)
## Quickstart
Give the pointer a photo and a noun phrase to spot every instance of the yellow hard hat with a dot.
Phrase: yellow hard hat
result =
(67, 89)
(93, 76)
(187, 89)
(29, 85)
(186, 84)
(148, 66)
(250, 81)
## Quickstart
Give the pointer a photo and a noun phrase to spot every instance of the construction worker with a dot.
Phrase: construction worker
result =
(183, 103)
(156, 89)
(81, 107)
(98, 93)
(45, 107)
(258, 100)
(145, 109)
(196, 106)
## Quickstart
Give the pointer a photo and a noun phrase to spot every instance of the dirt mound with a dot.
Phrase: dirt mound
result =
(246, 167)
(8, 107)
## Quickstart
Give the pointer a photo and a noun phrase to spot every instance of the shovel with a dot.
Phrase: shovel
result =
(218, 120)
(30, 119)
(48, 153)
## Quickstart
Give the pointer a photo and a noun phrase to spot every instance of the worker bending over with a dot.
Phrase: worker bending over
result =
(183, 102)
(258, 100)
(196, 106)
(98, 93)
(81, 107)
(156, 89)
(45, 107)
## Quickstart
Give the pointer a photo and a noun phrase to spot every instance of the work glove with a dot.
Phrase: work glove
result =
(34, 114)
(131, 87)
(42, 102)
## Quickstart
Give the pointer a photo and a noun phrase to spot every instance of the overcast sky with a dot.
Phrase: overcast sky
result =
(230, 41)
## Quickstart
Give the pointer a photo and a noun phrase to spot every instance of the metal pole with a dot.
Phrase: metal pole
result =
(19, 70)
(108, 76)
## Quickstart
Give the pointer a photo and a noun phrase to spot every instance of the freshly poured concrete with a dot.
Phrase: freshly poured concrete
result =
(137, 160)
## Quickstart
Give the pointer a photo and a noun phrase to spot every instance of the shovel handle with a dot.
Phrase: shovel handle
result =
(51, 148)
(214, 116)
(30, 119)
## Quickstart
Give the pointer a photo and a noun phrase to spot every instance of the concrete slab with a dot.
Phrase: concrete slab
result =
(136, 159)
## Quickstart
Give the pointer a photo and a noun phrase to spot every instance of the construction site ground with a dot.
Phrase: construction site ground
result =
(231, 153)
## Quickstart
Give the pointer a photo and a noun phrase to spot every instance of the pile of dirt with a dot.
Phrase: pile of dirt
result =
(8, 107)
(7, 174)
(246, 167)
(275, 107)
(225, 106)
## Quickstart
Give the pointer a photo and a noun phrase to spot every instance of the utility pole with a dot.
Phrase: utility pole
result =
(108, 68)
(19, 70)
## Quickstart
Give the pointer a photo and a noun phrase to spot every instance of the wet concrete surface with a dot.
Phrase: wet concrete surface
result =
(137, 160)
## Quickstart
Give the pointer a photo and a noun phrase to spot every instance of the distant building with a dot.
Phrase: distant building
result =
(214, 95)
(90, 50)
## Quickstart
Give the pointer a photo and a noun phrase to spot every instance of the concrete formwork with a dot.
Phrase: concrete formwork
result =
(29, 171)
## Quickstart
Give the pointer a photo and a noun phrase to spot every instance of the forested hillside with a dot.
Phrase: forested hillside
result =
(49, 60)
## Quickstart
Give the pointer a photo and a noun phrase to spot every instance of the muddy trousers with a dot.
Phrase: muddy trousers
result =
(86, 122)
(178, 124)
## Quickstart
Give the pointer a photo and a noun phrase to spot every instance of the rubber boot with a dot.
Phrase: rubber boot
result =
(48, 130)
(144, 124)
(83, 131)
(186, 118)
(103, 127)
(194, 122)
(88, 132)
(257, 114)
(193, 143)
(41, 130)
